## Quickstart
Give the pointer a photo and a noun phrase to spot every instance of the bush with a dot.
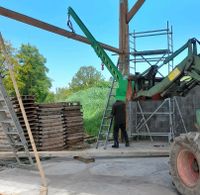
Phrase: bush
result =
(93, 101)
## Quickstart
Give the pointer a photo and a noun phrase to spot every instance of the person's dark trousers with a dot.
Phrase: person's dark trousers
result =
(116, 134)
(124, 133)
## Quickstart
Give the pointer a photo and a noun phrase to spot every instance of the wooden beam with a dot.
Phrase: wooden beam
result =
(134, 10)
(51, 28)
(124, 39)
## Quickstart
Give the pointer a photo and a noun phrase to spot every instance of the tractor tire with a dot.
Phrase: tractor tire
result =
(185, 162)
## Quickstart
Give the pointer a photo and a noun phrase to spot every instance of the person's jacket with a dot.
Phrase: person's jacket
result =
(119, 112)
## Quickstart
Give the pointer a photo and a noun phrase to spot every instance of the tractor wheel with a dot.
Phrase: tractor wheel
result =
(185, 163)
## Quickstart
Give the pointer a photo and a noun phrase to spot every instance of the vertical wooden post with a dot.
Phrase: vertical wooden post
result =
(124, 57)
(125, 18)
(124, 38)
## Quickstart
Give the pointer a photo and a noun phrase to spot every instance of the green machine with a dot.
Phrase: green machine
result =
(184, 158)
(185, 76)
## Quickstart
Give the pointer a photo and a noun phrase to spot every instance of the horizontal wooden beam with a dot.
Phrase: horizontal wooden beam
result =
(134, 10)
(51, 28)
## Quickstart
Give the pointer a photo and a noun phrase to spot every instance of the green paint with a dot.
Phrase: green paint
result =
(121, 90)
(198, 117)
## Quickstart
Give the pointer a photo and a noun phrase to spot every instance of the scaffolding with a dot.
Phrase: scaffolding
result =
(155, 56)
(145, 113)
(157, 119)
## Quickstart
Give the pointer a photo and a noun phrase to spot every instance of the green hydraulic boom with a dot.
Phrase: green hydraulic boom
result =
(184, 77)
(121, 90)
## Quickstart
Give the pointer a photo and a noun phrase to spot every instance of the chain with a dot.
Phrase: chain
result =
(69, 24)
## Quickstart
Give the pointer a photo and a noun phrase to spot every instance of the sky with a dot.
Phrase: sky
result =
(65, 56)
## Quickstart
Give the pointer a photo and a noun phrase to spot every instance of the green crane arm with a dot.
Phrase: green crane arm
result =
(97, 47)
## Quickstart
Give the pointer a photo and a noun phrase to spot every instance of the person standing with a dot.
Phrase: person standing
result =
(119, 114)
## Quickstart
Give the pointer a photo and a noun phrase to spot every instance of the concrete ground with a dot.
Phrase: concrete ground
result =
(110, 174)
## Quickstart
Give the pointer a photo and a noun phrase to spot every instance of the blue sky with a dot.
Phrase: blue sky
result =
(65, 56)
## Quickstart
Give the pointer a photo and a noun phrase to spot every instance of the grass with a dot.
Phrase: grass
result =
(93, 101)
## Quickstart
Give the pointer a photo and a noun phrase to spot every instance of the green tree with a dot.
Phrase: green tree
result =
(50, 98)
(62, 94)
(31, 74)
(86, 77)
(11, 52)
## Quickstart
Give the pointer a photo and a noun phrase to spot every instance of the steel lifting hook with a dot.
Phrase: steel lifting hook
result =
(102, 66)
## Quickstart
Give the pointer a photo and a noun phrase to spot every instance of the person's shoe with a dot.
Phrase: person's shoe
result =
(115, 146)
(127, 144)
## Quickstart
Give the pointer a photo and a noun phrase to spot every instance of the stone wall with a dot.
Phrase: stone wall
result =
(160, 122)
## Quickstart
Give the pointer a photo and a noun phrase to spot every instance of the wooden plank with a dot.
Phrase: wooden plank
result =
(50, 116)
(134, 10)
(84, 159)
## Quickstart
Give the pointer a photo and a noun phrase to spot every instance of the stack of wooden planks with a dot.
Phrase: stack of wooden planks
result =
(73, 118)
(51, 128)
(55, 126)
(31, 112)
